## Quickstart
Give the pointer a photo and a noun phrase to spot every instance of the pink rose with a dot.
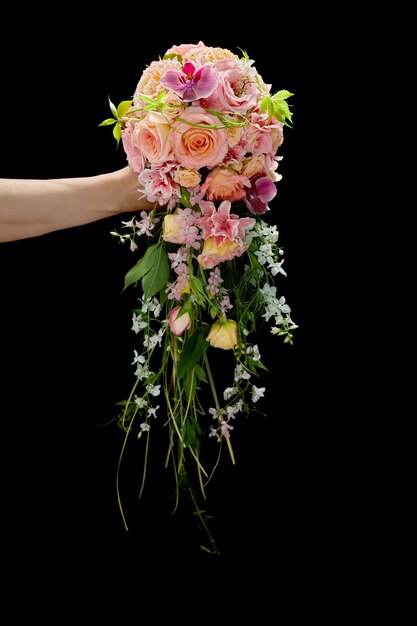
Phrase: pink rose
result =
(196, 147)
(178, 323)
(183, 48)
(235, 90)
(224, 183)
(213, 254)
(151, 137)
(135, 156)
(262, 135)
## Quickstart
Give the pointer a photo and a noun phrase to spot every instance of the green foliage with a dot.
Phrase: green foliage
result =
(152, 269)
(118, 119)
(156, 277)
(192, 351)
(277, 106)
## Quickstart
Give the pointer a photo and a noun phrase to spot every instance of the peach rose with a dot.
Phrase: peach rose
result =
(234, 135)
(224, 183)
(223, 334)
(186, 177)
(194, 146)
(277, 135)
(151, 137)
(254, 165)
(171, 229)
(213, 254)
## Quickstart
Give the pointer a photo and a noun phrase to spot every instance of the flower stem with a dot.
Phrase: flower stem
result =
(216, 400)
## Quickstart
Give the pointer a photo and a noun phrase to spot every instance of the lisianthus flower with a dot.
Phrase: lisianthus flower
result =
(223, 334)
(178, 323)
(263, 190)
(190, 84)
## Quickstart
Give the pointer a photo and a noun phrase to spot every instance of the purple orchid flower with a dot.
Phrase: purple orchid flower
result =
(190, 84)
(262, 191)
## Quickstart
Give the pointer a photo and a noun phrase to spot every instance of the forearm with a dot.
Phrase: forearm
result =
(29, 208)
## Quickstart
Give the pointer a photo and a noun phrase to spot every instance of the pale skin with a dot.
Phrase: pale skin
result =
(29, 208)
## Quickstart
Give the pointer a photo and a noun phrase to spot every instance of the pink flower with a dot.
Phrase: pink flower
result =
(220, 224)
(183, 48)
(214, 253)
(178, 323)
(180, 227)
(159, 187)
(235, 91)
(196, 147)
(151, 137)
(263, 136)
(223, 183)
(190, 84)
(262, 191)
(135, 156)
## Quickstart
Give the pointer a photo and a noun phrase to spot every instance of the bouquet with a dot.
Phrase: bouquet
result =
(202, 132)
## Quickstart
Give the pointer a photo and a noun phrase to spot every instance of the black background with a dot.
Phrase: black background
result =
(66, 339)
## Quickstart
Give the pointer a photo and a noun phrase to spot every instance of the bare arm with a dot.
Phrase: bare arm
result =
(29, 208)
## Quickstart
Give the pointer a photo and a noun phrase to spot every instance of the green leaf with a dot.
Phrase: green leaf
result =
(108, 121)
(198, 290)
(123, 108)
(156, 278)
(141, 268)
(244, 54)
(277, 106)
(117, 132)
(172, 55)
(185, 198)
(200, 373)
(214, 312)
(282, 95)
(265, 104)
(190, 436)
(193, 349)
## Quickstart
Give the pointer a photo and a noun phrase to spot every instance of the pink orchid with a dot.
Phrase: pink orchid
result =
(262, 191)
(190, 84)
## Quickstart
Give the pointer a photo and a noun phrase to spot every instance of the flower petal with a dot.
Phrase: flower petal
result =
(205, 81)
(174, 80)
(188, 69)
(265, 189)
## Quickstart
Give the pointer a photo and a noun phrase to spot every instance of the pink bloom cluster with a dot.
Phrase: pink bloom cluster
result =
(204, 133)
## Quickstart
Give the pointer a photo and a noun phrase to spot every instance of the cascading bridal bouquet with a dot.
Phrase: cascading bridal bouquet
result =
(202, 133)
